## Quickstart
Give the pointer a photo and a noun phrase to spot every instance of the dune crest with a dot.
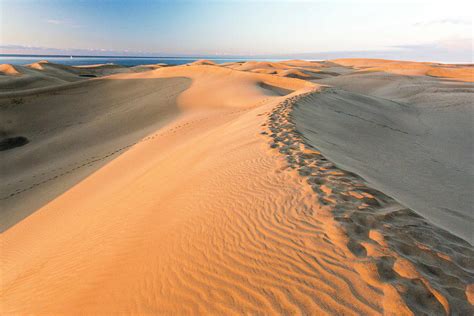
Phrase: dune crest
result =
(378, 229)
(203, 62)
(38, 65)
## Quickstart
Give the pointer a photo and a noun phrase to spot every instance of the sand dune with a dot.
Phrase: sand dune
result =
(456, 72)
(44, 74)
(420, 260)
(428, 119)
(189, 190)
(8, 70)
(122, 109)
(303, 63)
(251, 65)
(203, 62)
(293, 68)
(70, 136)
(142, 68)
(367, 134)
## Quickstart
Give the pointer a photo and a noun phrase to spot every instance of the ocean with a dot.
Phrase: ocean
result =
(124, 61)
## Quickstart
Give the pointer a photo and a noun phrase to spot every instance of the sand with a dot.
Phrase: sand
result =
(73, 131)
(454, 72)
(368, 135)
(300, 69)
(367, 119)
(42, 74)
(196, 194)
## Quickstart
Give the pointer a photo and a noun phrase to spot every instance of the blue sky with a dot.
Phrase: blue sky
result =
(435, 30)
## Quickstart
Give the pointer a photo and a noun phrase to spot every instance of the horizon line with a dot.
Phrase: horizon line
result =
(243, 58)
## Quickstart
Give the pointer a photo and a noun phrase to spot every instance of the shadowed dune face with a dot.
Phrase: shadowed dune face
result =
(277, 90)
(368, 135)
(429, 267)
(72, 132)
(373, 118)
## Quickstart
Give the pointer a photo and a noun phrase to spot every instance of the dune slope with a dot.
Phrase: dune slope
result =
(367, 135)
(372, 118)
(15, 80)
(71, 132)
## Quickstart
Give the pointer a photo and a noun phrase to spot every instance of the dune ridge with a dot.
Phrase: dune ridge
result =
(43, 74)
(379, 229)
(223, 275)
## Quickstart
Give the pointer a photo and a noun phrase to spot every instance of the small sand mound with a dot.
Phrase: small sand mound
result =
(361, 62)
(302, 63)
(38, 65)
(10, 70)
(203, 62)
(231, 64)
(252, 65)
(294, 73)
(142, 68)
(264, 71)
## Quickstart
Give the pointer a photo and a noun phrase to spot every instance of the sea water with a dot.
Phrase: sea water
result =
(124, 61)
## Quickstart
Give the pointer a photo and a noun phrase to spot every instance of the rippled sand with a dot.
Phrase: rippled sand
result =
(189, 190)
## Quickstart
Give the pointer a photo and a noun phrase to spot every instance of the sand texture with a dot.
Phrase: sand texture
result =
(208, 189)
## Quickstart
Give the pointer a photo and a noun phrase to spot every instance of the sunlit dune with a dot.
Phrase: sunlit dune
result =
(456, 72)
(9, 70)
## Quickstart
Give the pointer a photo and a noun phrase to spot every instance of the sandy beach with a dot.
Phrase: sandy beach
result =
(298, 187)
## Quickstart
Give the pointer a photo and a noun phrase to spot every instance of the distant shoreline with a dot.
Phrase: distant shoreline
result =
(127, 61)
(194, 58)
(141, 57)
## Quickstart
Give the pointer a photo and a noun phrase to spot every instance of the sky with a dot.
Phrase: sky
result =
(417, 30)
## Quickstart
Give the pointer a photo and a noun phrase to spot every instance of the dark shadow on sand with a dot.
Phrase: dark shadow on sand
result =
(69, 132)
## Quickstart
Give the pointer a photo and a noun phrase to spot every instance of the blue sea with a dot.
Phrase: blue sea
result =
(124, 61)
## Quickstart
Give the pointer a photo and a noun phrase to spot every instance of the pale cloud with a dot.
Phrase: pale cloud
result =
(455, 44)
(446, 50)
(63, 22)
(452, 21)
(39, 50)
(56, 22)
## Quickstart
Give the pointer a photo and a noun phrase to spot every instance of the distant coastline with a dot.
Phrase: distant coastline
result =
(20, 59)
(115, 56)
